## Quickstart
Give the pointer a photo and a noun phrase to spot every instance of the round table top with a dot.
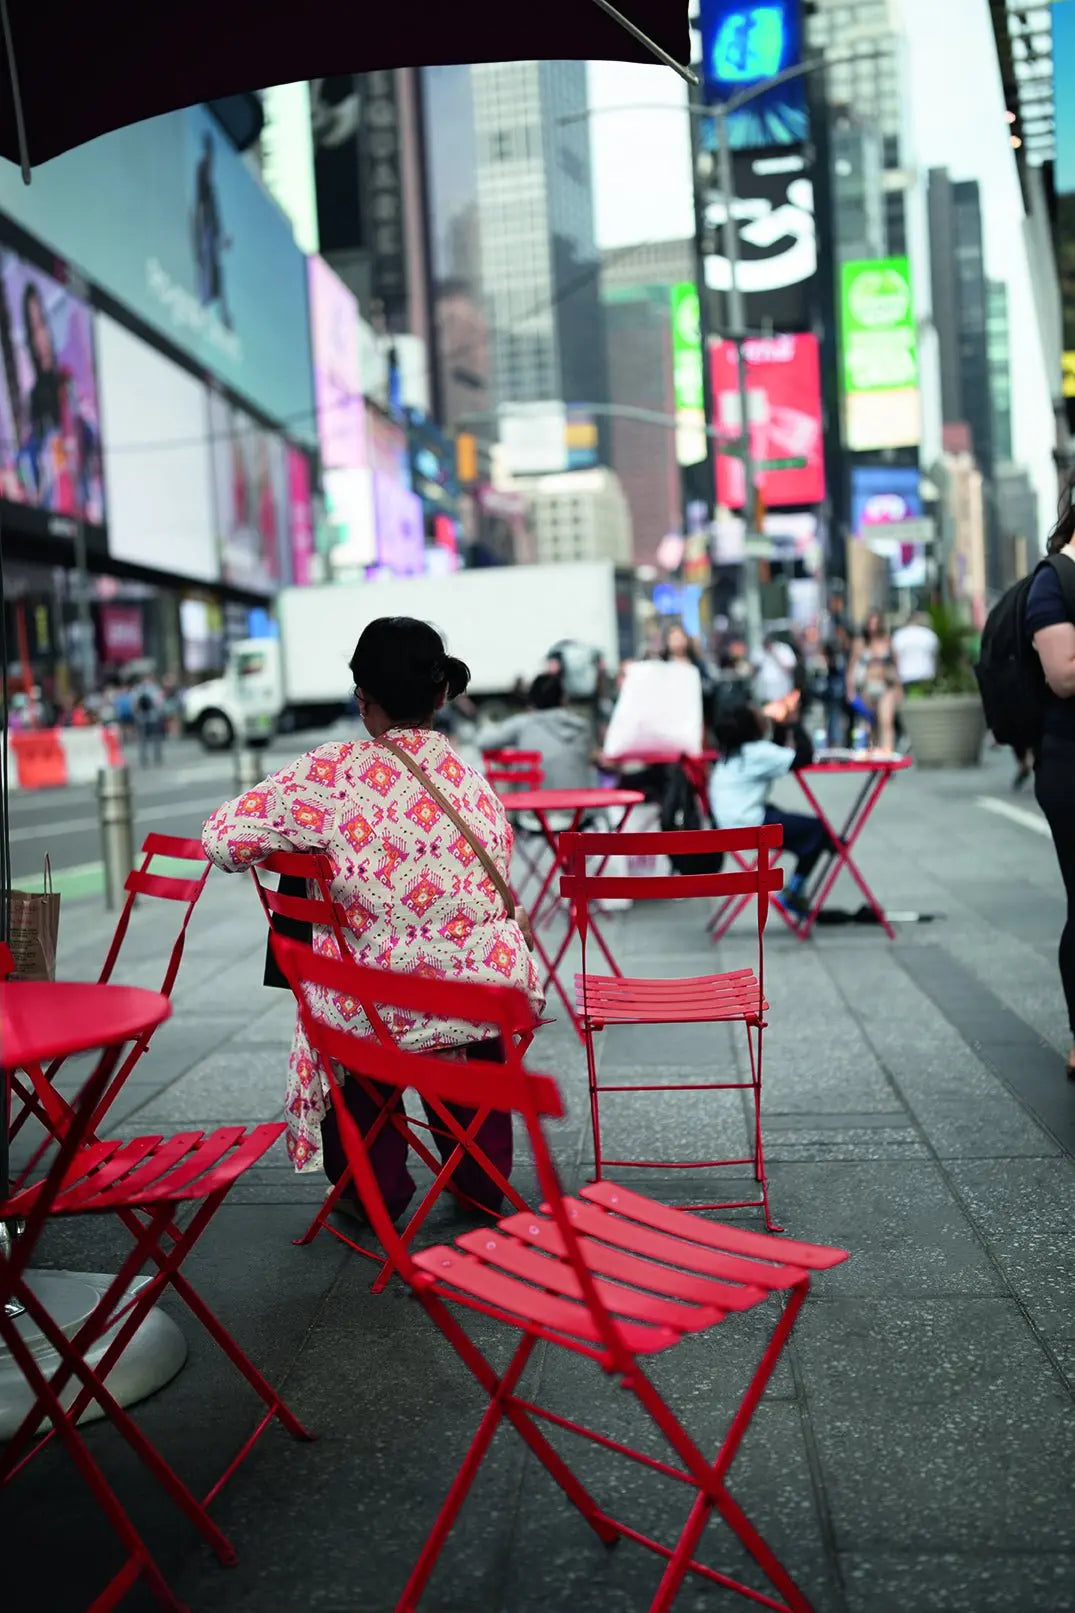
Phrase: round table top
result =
(569, 800)
(858, 762)
(47, 1019)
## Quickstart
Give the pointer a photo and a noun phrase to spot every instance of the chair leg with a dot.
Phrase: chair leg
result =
(595, 1099)
(759, 1147)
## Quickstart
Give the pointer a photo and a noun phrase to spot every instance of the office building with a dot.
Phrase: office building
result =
(998, 350)
(580, 515)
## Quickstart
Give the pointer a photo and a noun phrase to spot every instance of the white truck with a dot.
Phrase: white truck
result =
(503, 621)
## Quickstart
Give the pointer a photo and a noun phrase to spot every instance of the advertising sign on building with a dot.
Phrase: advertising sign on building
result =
(688, 386)
(252, 496)
(745, 43)
(887, 515)
(50, 432)
(784, 414)
(301, 519)
(341, 410)
(1063, 25)
(166, 218)
(534, 437)
(381, 170)
(773, 214)
(880, 355)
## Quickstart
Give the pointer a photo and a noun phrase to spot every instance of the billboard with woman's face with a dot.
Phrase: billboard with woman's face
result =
(251, 491)
(50, 438)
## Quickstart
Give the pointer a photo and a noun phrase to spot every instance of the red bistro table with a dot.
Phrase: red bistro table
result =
(41, 1020)
(876, 773)
(541, 804)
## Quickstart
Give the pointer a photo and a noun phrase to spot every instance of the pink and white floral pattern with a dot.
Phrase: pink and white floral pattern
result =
(416, 896)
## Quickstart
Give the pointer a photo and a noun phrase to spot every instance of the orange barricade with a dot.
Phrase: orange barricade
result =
(40, 762)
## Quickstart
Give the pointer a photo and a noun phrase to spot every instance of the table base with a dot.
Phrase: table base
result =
(153, 1357)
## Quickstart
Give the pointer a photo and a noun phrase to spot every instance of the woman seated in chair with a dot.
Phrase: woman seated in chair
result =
(739, 786)
(418, 894)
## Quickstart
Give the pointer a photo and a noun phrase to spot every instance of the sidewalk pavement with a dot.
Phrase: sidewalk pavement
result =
(916, 1450)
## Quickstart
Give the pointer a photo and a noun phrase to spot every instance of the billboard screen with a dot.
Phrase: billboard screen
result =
(341, 410)
(688, 387)
(884, 496)
(744, 43)
(301, 518)
(352, 517)
(251, 487)
(400, 531)
(182, 236)
(776, 236)
(158, 462)
(50, 433)
(879, 354)
(784, 414)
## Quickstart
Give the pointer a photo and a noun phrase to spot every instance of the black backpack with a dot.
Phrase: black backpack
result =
(1009, 674)
(679, 811)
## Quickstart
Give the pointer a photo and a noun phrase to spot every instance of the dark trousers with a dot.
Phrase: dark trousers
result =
(388, 1153)
(1054, 786)
(805, 837)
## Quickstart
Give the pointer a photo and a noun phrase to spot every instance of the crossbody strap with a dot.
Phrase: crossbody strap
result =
(468, 835)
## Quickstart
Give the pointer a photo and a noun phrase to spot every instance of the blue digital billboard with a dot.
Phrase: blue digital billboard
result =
(743, 46)
(165, 218)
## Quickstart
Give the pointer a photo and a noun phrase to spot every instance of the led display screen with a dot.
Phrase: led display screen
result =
(251, 486)
(784, 414)
(745, 44)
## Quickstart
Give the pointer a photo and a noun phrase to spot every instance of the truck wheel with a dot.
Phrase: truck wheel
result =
(215, 731)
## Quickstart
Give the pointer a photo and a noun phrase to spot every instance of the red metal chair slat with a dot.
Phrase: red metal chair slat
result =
(736, 996)
(583, 1276)
(94, 1177)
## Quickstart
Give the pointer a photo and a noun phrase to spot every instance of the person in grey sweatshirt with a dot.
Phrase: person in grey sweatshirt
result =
(564, 738)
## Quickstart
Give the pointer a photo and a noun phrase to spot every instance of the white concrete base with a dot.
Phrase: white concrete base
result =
(151, 1359)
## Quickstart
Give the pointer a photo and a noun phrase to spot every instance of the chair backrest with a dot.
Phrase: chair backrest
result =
(7, 962)
(145, 881)
(517, 769)
(582, 887)
(471, 1083)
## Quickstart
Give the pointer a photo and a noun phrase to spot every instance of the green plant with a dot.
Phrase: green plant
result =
(955, 652)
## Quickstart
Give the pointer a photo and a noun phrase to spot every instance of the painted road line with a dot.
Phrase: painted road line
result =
(63, 826)
(1020, 815)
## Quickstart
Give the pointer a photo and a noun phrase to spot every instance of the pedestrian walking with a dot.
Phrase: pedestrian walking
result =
(1050, 622)
(147, 703)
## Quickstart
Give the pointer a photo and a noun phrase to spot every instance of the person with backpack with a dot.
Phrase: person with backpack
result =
(739, 787)
(1026, 674)
(147, 700)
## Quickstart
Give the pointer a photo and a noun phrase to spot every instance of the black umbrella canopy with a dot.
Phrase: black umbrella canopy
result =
(84, 69)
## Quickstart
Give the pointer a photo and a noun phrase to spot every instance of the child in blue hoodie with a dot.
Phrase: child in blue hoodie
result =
(750, 763)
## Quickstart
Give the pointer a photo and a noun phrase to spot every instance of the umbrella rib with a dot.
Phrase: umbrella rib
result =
(636, 32)
(16, 93)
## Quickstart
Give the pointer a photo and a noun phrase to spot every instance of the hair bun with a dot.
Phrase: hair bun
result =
(457, 674)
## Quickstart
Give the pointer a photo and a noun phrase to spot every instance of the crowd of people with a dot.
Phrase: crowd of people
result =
(147, 710)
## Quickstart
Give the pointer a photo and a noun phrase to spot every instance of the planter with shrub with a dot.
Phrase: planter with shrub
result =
(943, 720)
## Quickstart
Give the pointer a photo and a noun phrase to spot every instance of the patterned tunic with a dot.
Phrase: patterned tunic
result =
(415, 893)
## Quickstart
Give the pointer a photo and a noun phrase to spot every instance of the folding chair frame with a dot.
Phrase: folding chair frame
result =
(35, 1087)
(142, 1182)
(519, 770)
(321, 910)
(596, 1329)
(736, 996)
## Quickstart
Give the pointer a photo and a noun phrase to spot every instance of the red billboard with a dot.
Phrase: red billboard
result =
(784, 411)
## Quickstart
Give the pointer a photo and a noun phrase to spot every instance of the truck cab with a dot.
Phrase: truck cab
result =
(244, 704)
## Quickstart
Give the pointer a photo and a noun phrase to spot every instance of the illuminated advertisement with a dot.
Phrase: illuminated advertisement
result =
(301, 518)
(400, 530)
(50, 435)
(251, 484)
(341, 410)
(743, 45)
(886, 501)
(776, 235)
(1063, 22)
(880, 355)
(352, 517)
(784, 414)
(166, 217)
(688, 388)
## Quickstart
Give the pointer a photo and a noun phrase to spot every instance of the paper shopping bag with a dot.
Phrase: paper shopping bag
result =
(34, 930)
(658, 711)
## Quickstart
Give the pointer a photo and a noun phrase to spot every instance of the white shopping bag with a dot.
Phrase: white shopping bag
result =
(658, 710)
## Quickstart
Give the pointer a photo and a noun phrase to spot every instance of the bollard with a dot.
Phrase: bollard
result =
(248, 770)
(117, 831)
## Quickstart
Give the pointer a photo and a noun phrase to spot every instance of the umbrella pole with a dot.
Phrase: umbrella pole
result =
(16, 93)
(633, 29)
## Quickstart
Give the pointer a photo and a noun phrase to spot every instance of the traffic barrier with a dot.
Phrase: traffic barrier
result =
(48, 758)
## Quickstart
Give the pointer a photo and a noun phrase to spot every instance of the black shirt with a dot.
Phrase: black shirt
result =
(1047, 607)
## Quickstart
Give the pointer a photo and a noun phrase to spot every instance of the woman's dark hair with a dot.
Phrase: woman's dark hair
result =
(546, 691)
(401, 664)
(1064, 530)
(734, 727)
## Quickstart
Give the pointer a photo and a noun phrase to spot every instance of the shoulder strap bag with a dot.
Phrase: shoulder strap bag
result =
(519, 914)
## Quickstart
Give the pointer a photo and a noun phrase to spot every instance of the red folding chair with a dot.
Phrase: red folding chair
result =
(736, 997)
(608, 1275)
(507, 771)
(32, 1092)
(144, 1183)
(320, 909)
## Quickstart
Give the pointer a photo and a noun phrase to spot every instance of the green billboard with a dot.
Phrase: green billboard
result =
(688, 384)
(880, 354)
